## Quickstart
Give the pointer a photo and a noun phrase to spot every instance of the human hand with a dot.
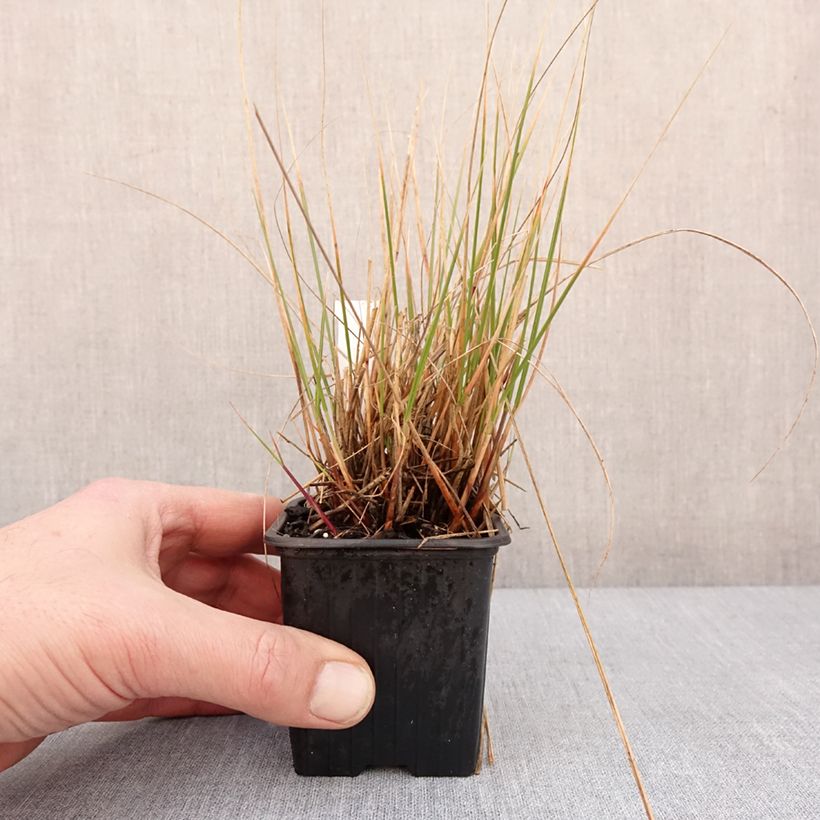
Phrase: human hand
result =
(132, 599)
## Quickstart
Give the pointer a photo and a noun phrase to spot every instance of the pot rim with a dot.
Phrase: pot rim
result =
(278, 541)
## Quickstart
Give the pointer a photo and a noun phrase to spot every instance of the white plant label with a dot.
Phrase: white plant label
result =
(356, 312)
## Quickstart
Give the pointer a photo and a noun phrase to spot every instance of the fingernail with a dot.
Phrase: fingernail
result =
(343, 693)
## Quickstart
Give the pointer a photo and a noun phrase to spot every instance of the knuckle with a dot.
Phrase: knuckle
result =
(110, 482)
(273, 656)
(109, 488)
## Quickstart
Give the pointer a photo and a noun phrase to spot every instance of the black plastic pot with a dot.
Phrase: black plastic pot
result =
(419, 616)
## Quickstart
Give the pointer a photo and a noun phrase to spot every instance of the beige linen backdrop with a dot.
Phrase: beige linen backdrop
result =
(127, 329)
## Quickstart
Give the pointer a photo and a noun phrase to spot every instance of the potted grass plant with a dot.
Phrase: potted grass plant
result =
(406, 403)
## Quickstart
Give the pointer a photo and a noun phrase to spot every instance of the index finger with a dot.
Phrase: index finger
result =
(211, 521)
(184, 518)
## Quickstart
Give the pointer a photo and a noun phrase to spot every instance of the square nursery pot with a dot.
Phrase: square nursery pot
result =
(419, 615)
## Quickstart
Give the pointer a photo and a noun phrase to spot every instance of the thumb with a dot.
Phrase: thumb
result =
(276, 673)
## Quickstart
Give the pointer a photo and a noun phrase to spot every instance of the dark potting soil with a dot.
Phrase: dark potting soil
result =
(302, 521)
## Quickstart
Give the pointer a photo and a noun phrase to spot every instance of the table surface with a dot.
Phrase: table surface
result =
(719, 689)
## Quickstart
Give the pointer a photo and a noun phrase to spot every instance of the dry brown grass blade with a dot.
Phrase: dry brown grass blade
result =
(780, 278)
(553, 382)
(587, 259)
(288, 181)
(246, 108)
(487, 737)
(610, 696)
(221, 234)
(450, 496)
(487, 58)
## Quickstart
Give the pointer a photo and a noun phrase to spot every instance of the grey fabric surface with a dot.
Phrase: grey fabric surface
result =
(719, 688)
(126, 328)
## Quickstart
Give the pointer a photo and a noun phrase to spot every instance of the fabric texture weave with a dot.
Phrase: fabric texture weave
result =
(719, 690)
